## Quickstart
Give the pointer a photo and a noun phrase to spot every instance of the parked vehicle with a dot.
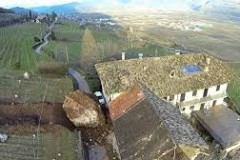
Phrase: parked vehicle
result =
(100, 97)
(3, 138)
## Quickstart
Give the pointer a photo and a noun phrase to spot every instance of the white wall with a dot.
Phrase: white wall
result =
(197, 107)
(212, 91)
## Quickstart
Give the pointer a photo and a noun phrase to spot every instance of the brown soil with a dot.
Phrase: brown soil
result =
(23, 118)
(22, 114)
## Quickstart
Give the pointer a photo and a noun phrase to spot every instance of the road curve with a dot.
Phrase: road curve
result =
(82, 84)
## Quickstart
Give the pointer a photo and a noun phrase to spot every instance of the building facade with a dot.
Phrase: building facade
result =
(199, 99)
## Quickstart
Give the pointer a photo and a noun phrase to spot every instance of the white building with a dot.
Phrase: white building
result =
(199, 99)
(191, 82)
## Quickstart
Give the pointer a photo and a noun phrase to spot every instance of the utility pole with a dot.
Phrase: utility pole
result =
(67, 54)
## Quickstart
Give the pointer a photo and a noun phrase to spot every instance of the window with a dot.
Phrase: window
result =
(192, 107)
(218, 88)
(182, 97)
(205, 93)
(183, 109)
(202, 106)
(171, 98)
(214, 103)
(165, 98)
(194, 93)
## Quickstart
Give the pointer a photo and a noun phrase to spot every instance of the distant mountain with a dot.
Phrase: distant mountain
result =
(21, 11)
(8, 17)
(3, 10)
(229, 9)
(64, 8)
(224, 9)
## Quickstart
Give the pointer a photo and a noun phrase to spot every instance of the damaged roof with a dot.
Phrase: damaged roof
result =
(148, 122)
(163, 75)
(222, 123)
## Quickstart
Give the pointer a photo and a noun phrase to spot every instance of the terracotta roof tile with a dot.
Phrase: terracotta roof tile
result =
(125, 101)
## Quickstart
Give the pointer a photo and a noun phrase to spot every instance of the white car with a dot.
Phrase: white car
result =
(3, 138)
(100, 97)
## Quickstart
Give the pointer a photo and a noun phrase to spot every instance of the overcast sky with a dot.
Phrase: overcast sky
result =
(145, 3)
(32, 3)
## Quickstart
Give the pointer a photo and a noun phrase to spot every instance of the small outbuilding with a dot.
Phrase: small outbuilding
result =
(222, 124)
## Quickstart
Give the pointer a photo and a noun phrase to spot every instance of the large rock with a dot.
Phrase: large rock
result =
(82, 110)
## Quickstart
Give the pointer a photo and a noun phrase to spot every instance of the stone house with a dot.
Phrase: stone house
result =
(191, 82)
(147, 127)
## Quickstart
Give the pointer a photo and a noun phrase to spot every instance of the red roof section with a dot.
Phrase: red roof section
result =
(125, 101)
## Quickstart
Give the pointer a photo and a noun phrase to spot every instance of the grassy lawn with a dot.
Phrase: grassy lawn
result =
(234, 87)
(17, 41)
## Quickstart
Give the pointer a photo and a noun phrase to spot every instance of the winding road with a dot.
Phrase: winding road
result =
(45, 39)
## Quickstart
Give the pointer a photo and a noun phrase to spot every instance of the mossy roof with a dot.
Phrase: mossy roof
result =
(155, 74)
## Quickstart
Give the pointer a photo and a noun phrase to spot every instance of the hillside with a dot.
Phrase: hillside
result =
(65, 8)
(3, 10)
(9, 19)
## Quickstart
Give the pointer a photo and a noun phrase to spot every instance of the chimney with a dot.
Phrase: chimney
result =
(206, 69)
(177, 52)
(140, 55)
(123, 55)
(208, 61)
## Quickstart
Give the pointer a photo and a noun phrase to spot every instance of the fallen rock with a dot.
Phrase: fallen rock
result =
(82, 110)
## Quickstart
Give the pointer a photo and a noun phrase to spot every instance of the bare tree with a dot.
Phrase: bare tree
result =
(89, 54)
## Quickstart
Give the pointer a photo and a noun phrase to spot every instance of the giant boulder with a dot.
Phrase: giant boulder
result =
(82, 110)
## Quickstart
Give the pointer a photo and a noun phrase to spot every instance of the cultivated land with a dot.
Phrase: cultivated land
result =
(16, 46)
(47, 145)
(24, 101)
(190, 31)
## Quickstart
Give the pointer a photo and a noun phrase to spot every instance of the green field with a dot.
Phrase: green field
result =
(234, 87)
(67, 48)
(16, 46)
